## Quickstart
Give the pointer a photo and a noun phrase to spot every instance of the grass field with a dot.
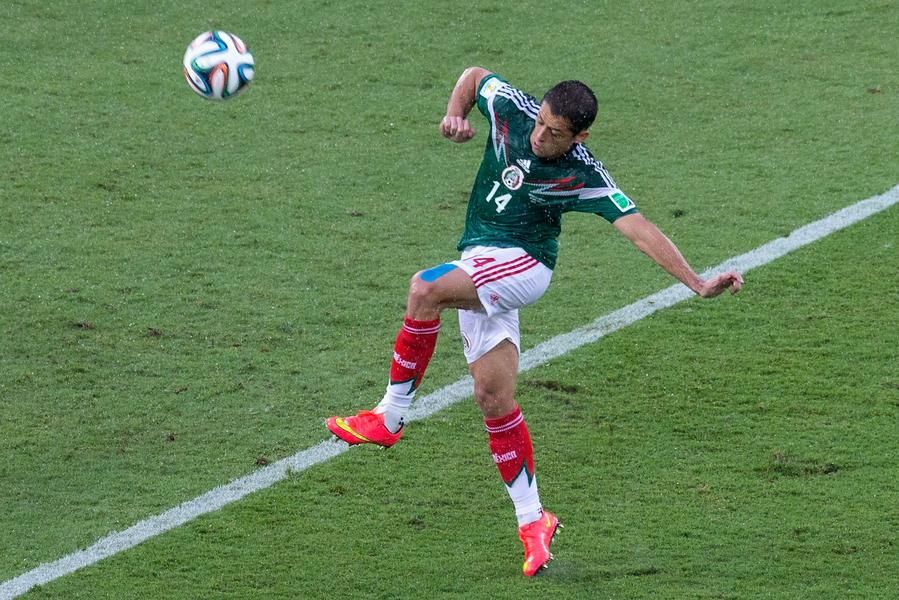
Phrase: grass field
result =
(190, 288)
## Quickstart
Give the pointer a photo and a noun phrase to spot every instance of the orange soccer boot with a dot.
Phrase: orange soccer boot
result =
(366, 427)
(537, 537)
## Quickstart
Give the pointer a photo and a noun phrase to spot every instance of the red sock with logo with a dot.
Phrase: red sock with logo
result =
(513, 453)
(412, 352)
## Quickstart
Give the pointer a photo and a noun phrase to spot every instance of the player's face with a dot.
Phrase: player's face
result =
(552, 136)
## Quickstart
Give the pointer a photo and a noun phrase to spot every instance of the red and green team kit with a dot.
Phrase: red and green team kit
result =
(518, 199)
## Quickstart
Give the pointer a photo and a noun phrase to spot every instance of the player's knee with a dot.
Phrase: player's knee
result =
(422, 292)
(492, 401)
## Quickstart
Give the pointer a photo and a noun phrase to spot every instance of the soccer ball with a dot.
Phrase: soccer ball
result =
(218, 65)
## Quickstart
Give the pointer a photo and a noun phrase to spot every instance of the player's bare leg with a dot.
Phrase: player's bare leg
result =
(495, 375)
(430, 292)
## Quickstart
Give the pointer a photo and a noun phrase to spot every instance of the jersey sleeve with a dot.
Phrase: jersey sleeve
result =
(598, 193)
(497, 98)
(610, 203)
(614, 205)
(487, 92)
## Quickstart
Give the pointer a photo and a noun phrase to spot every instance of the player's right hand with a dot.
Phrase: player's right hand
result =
(457, 129)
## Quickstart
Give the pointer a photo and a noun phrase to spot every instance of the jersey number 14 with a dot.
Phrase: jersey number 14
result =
(501, 201)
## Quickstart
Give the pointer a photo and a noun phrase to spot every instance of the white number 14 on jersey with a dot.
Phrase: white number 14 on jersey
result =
(501, 201)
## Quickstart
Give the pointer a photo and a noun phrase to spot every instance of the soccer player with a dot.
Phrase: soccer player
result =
(535, 168)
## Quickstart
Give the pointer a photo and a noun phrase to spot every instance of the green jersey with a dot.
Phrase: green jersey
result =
(518, 199)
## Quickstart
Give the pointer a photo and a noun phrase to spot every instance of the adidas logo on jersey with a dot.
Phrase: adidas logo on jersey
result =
(525, 164)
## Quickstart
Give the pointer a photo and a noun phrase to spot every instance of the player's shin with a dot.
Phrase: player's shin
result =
(412, 352)
(513, 453)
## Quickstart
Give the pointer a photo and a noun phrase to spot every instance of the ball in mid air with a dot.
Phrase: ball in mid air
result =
(218, 65)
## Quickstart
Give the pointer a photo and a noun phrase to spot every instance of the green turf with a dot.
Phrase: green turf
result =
(189, 288)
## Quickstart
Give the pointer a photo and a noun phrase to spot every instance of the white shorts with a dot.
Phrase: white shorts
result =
(506, 279)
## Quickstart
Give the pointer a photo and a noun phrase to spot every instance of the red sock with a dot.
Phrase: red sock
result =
(510, 443)
(412, 352)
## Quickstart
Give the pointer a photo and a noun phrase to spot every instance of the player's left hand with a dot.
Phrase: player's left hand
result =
(716, 285)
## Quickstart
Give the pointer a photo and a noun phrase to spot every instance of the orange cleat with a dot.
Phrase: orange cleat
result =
(364, 428)
(537, 537)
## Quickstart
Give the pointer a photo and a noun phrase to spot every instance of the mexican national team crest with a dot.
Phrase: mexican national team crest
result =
(513, 177)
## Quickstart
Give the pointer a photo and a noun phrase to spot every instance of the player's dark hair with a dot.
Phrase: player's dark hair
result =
(575, 101)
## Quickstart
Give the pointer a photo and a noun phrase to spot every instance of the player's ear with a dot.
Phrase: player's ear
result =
(581, 137)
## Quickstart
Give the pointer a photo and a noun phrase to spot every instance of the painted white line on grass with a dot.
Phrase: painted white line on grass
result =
(442, 398)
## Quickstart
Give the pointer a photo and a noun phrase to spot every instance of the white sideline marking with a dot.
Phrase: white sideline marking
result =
(562, 344)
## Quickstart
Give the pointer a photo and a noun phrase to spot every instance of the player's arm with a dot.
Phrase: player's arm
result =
(655, 244)
(455, 125)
